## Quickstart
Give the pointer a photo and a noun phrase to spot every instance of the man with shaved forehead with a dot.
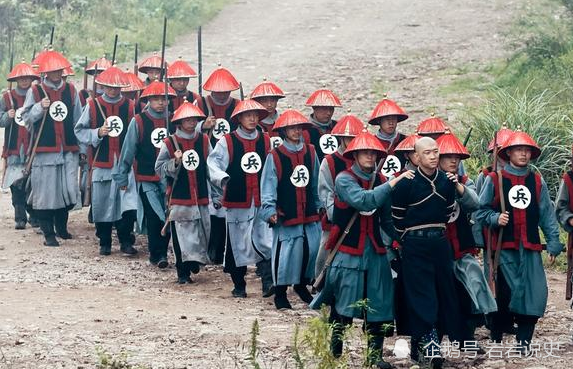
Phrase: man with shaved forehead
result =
(421, 208)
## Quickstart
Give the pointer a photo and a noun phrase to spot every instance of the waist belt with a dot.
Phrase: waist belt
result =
(431, 232)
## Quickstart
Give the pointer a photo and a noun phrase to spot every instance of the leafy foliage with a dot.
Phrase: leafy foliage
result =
(87, 28)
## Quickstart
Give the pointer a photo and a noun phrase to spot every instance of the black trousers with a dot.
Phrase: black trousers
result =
(124, 227)
(429, 287)
(156, 243)
(50, 218)
(217, 239)
(237, 273)
(19, 203)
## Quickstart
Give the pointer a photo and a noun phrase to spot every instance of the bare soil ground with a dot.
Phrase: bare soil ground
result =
(57, 305)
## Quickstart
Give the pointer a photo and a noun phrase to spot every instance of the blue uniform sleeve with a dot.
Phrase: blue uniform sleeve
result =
(548, 221)
(486, 215)
(269, 184)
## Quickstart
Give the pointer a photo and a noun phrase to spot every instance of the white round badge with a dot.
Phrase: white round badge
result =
(221, 128)
(519, 197)
(455, 214)
(190, 160)
(157, 136)
(251, 162)
(115, 125)
(300, 176)
(276, 141)
(58, 111)
(18, 118)
(328, 144)
(391, 166)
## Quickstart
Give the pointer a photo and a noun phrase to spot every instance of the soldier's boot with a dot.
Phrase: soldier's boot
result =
(47, 227)
(281, 300)
(375, 333)
(20, 216)
(339, 325)
(265, 272)
(525, 329)
(61, 221)
(303, 292)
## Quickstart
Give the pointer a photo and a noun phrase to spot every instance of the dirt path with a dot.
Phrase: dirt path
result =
(58, 305)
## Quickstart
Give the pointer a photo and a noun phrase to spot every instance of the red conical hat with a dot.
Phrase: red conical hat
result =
(385, 108)
(323, 97)
(52, 61)
(22, 70)
(221, 80)
(157, 88)
(348, 126)
(407, 144)
(267, 89)
(180, 69)
(519, 138)
(135, 84)
(365, 141)
(248, 105)
(502, 135)
(101, 63)
(290, 118)
(152, 62)
(187, 110)
(112, 77)
(68, 72)
(449, 144)
(431, 126)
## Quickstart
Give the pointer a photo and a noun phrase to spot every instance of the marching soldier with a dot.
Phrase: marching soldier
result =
(16, 139)
(218, 107)
(564, 212)
(290, 204)
(103, 127)
(348, 127)
(323, 102)
(183, 161)
(268, 95)
(236, 166)
(51, 110)
(152, 67)
(475, 297)
(360, 269)
(387, 114)
(179, 74)
(515, 203)
(144, 137)
(421, 208)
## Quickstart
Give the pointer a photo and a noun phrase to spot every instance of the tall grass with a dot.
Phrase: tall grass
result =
(538, 114)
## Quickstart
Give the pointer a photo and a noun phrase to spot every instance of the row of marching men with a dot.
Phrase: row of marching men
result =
(294, 195)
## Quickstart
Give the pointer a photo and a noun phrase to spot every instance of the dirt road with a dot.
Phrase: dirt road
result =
(58, 305)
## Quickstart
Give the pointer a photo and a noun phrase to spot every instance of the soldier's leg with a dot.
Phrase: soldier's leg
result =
(19, 203)
(501, 319)
(217, 238)
(339, 324)
(46, 218)
(103, 232)
(525, 328)
(376, 332)
(237, 273)
(300, 288)
(61, 222)
(157, 243)
(265, 272)
(124, 228)
(183, 272)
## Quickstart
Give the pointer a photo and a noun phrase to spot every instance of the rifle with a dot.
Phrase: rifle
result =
(199, 63)
(468, 135)
(569, 284)
(52, 36)
(163, 71)
(94, 85)
(319, 281)
(166, 100)
(88, 190)
(114, 50)
(7, 143)
(33, 55)
(241, 92)
(86, 73)
(135, 67)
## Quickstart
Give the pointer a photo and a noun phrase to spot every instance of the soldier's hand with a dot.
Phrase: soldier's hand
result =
(503, 219)
(103, 131)
(273, 219)
(45, 102)
(178, 156)
(11, 113)
(552, 259)
(123, 188)
(570, 221)
(409, 174)
(83, 159)
(452, 177)
(209, 122)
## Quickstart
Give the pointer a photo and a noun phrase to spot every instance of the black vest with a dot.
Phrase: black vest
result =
(192, 185)
(242, 188)
(14, 135)
(459, 232)
(146, 153)
(110, 146)
(295, 205)
(57, 135)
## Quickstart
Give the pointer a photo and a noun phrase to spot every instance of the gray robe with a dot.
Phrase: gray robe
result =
(251, 238)
(14, 163)
(192, 222)
(58, 169)
(108, 202)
